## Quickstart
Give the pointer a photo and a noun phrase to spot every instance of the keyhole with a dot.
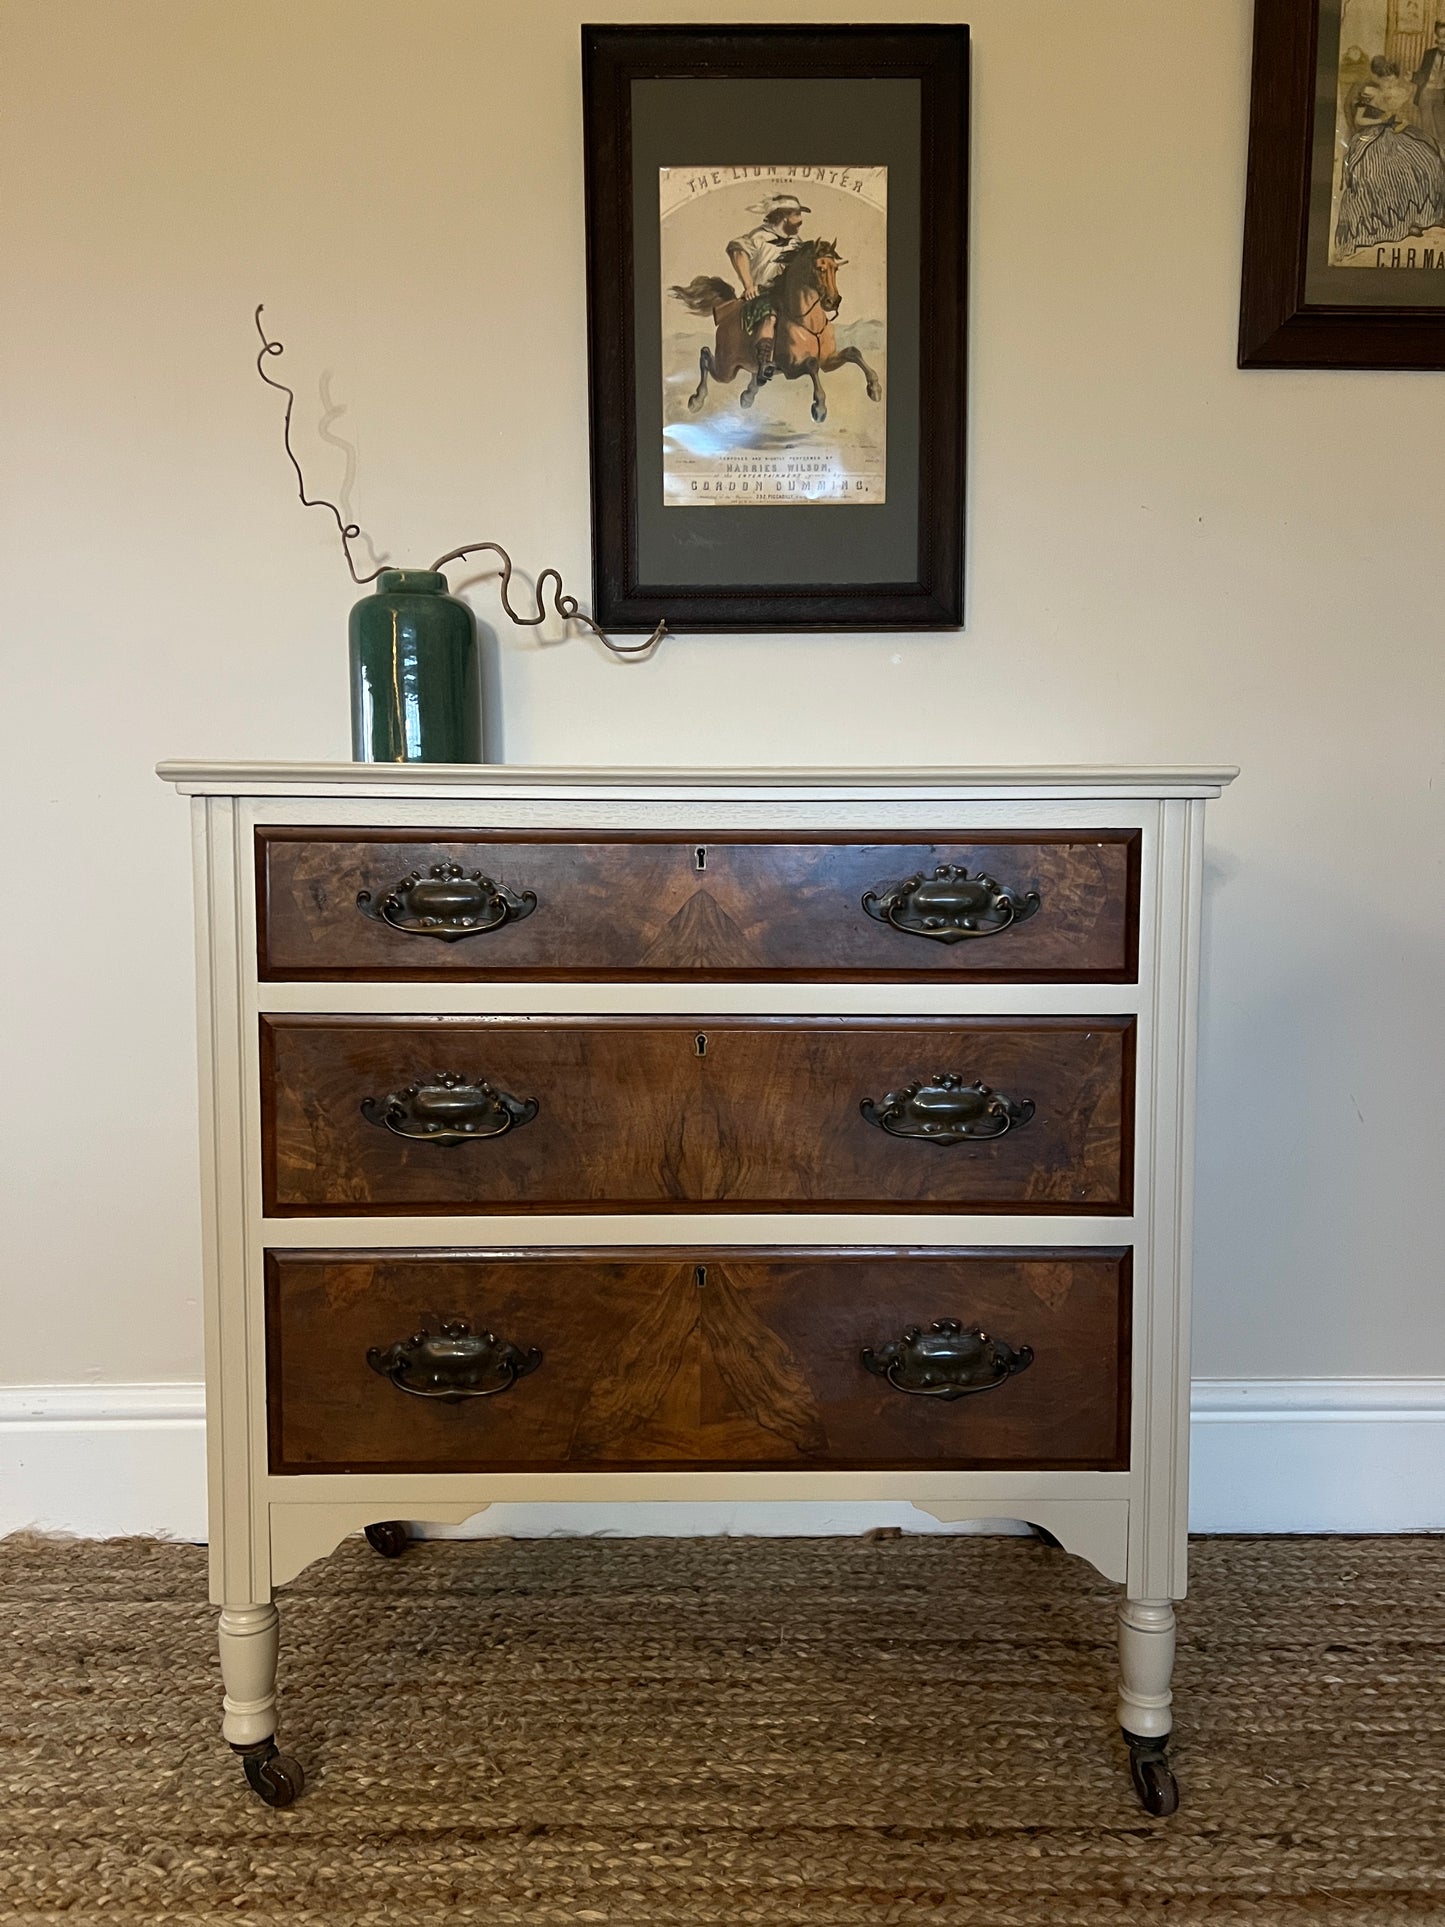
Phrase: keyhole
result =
(699, 856)
(699, 1276)
(700, 1043)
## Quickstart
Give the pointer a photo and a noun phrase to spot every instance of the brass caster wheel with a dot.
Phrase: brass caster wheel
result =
(390, 1538)
(1153, 1777)
(275, 1777)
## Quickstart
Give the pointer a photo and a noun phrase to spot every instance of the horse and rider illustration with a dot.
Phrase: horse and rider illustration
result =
(782, 321)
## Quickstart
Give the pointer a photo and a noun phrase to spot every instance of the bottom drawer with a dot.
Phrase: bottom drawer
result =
(647, 1360)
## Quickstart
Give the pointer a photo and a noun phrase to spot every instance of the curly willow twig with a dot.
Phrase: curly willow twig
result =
(348, 530)
(564, 605)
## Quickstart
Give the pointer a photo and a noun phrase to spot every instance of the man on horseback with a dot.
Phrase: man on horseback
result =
(782, 322)
(758, 258)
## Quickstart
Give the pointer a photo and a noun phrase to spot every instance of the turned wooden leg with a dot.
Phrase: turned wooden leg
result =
(1146, 1661)
(250, 1640)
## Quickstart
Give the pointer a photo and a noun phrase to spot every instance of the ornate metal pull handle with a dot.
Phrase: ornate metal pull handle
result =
(452, 1363)
(447, 902)
(946, 1361)
(945, 1110)
(950, 905)
(448, 1109)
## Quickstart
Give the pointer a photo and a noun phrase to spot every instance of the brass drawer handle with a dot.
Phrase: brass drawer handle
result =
(950, 905)
(446, 902)
(947, 1361)
(448, 1109)
(453, 1362)
(945, 1110)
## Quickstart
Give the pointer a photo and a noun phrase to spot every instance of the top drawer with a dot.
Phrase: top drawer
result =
(431, 906)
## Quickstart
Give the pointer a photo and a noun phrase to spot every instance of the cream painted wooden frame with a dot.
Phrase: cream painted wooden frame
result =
(264, 1529)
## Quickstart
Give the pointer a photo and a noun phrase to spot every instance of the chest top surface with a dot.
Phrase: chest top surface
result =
(460, 781)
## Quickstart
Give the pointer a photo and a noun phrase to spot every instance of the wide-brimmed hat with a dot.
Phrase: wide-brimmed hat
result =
(780, 204)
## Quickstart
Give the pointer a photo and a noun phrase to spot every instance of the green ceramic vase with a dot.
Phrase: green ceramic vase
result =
(415, 679)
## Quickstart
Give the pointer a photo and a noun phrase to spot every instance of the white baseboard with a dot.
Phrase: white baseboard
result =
(1269, 1455)
(1317, 1455)
(104, 1460)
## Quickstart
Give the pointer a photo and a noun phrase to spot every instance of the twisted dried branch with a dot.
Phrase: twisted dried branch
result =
(563, 605)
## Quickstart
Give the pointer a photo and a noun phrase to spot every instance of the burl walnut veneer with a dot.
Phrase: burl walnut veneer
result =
(734, 1113)
(652, 908)
(705, 1357)
(719, 1135)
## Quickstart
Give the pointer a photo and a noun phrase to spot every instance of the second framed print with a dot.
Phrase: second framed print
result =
(1344, 229)
(777, 295)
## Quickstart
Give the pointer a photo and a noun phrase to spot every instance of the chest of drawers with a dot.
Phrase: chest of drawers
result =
(613, 1135)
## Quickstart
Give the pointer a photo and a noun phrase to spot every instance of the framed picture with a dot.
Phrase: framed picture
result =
(777, 294)
(1344, 232)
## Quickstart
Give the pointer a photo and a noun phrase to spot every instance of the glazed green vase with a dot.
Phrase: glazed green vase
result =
(416, 692)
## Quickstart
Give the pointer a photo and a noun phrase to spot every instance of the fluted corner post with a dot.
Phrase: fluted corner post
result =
(250, 1638)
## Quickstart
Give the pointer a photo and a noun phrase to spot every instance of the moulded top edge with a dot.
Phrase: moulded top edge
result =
(498, 779)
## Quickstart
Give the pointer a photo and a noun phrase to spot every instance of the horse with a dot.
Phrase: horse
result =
(806, 297)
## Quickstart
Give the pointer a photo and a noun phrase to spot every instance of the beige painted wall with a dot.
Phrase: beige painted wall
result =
(1169, 560)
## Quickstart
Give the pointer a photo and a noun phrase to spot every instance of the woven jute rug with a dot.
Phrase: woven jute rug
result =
(797, 1733)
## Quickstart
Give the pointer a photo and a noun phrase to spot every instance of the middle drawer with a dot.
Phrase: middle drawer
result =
(374, 1115)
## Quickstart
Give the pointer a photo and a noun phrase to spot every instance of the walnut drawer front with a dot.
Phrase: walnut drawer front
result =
(471, 1114)
(656, 1359)
(447, 905)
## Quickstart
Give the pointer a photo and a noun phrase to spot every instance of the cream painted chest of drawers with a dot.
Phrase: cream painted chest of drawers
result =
(645, 1134)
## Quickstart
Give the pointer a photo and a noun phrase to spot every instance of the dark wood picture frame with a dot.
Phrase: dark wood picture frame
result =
(928, 596)
(1279, 328)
